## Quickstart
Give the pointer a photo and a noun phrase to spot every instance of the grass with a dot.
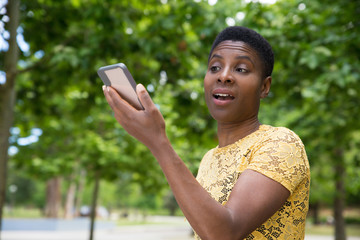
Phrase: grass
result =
(352, 219)
(136, 217)
(22, 212)
(328, 230)
(127, 222)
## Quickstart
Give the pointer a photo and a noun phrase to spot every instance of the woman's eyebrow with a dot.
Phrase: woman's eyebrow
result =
(246, 58)
(238, 57)
(217, 56)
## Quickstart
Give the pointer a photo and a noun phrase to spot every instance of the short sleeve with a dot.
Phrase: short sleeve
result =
(281, 156)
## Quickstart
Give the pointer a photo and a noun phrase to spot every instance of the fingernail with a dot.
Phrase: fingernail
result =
(141, 87)
(103, 87)
(107, 88)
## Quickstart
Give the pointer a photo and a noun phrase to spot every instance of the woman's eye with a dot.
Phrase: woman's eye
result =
(214, 68)
(243, 70)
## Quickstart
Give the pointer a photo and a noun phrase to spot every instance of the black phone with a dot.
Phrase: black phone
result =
(119, 77)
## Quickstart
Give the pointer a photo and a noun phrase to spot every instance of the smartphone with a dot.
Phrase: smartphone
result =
(119, 77)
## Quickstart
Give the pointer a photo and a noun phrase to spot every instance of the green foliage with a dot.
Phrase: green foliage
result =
(315, 83)
(28, 191)
(165, 46)
(60, 93)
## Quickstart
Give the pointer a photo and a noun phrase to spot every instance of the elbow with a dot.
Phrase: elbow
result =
(228, 228)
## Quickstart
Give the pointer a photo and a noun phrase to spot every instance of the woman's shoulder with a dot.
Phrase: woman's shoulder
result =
(280, 134)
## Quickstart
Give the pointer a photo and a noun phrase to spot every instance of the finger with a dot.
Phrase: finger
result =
(144, 96)
(107, 96)
(109, 99)
(116, 102)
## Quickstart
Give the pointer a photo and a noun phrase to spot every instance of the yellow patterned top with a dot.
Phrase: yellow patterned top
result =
(277, 153)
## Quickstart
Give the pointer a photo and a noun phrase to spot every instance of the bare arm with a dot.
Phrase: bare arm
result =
(254, 197)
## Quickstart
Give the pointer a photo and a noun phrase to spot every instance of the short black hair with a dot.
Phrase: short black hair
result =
(253, 39)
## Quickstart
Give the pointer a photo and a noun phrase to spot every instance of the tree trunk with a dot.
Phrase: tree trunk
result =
(70, 200)
(315, 212)
(53, 198)
(79, 193)
(339, 201)
(7, 96)
(94, 203)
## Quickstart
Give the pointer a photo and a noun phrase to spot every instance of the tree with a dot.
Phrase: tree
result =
(165, 45)
(64, 43)
(316, 84)
(7, 95)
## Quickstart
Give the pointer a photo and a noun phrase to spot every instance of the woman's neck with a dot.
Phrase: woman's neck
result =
(229, 133)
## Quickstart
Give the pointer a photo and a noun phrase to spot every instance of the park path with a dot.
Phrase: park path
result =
(165, 229)
(147, 232)
(144, 232)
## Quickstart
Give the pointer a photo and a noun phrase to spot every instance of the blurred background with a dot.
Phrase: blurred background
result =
(62, 153)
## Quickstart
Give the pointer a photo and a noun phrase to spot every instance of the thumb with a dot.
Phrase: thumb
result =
(144, 96)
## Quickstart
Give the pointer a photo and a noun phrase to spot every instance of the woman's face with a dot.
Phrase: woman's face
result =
(233, 83)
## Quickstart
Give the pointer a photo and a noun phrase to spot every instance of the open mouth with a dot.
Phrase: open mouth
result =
(223, 96)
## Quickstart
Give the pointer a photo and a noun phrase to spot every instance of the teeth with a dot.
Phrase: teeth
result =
(222, 95)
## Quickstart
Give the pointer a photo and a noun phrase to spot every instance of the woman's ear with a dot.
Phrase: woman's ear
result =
(265, 88)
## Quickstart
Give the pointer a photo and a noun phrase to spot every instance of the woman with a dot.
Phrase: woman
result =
(255, 183)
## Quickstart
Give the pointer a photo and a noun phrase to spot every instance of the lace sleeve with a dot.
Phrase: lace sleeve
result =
(281, 157)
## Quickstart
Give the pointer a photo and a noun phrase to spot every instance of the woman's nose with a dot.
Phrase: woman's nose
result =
(226, 76)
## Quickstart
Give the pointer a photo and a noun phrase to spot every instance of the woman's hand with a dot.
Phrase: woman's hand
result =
(148, 125)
